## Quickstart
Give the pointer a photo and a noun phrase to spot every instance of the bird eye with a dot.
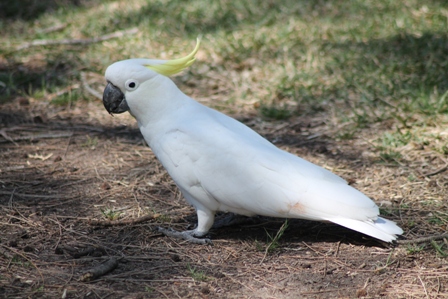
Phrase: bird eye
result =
(131, 84)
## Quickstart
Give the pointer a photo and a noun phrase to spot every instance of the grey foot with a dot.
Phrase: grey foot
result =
(188, 235)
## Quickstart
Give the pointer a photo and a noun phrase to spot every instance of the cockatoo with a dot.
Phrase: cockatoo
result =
(219, 164)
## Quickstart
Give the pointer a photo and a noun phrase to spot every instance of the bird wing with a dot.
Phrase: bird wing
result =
(224, 165)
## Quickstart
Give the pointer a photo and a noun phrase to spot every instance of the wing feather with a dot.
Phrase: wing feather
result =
(241, 170)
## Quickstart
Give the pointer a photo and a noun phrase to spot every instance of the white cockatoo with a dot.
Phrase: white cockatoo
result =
(219, 164)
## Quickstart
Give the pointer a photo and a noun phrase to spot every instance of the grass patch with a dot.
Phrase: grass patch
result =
(414, 249)
(438, 218)
(20, 262)
(375, 59)
(273, 242)
(195, 274)
(276, 112)
(149, 290)
(396, 139)
(390, 156)
(439, 248)
(111, 214)
(317, 54)
(91, 142)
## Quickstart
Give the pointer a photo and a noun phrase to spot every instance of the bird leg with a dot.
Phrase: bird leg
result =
(196, 236)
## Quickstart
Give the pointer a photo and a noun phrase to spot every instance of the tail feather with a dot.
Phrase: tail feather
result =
(381, 228)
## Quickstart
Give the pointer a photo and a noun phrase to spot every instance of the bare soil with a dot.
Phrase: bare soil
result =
(75, 182)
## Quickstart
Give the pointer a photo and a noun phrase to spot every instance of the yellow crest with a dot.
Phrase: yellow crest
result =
(175, 66)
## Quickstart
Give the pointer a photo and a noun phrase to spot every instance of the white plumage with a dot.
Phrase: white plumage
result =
(220, 164)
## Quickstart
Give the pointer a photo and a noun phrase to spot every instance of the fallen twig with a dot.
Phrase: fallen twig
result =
(40, 157)
(326, 291)
(88, 251)
(423, 239)
(100, 270)
(89, 89)
(6, 136)
(437, 171)
(85, 41)
(54, 28)
(30, 195)
(440, 170)
(36, 137)
(122, 222)
(62, 91)
(423, 285)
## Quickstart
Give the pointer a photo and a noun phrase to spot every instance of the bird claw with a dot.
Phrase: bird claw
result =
(185, 235)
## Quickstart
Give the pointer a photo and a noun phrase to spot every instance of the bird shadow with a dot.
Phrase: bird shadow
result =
(264, 229)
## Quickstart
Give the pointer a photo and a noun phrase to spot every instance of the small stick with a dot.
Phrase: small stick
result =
(35, 137)
(4, 135)
(87, 87)
(122, 222)
(53, 42)
(423, 239)
(29, 195)
(68, 145)
(54, 28)
(423, 285)
(440, 170)
(337, 249)
(74, 253)
(100, 270)
(62, 91)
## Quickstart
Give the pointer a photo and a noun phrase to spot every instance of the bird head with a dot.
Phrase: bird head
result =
(127, 78)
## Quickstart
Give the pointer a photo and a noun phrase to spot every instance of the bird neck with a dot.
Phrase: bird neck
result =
(156, 101)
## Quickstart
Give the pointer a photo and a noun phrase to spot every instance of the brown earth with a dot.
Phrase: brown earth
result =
(74, 183)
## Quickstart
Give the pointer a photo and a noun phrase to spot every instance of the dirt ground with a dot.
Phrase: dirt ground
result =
(79, 190)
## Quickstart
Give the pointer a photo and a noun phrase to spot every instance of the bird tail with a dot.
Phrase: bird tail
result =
(381, 228)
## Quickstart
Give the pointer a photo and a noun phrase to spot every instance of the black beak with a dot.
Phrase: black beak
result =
(114, 100)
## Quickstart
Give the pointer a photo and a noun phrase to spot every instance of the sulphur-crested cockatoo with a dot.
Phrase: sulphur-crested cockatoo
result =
(219, 164)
